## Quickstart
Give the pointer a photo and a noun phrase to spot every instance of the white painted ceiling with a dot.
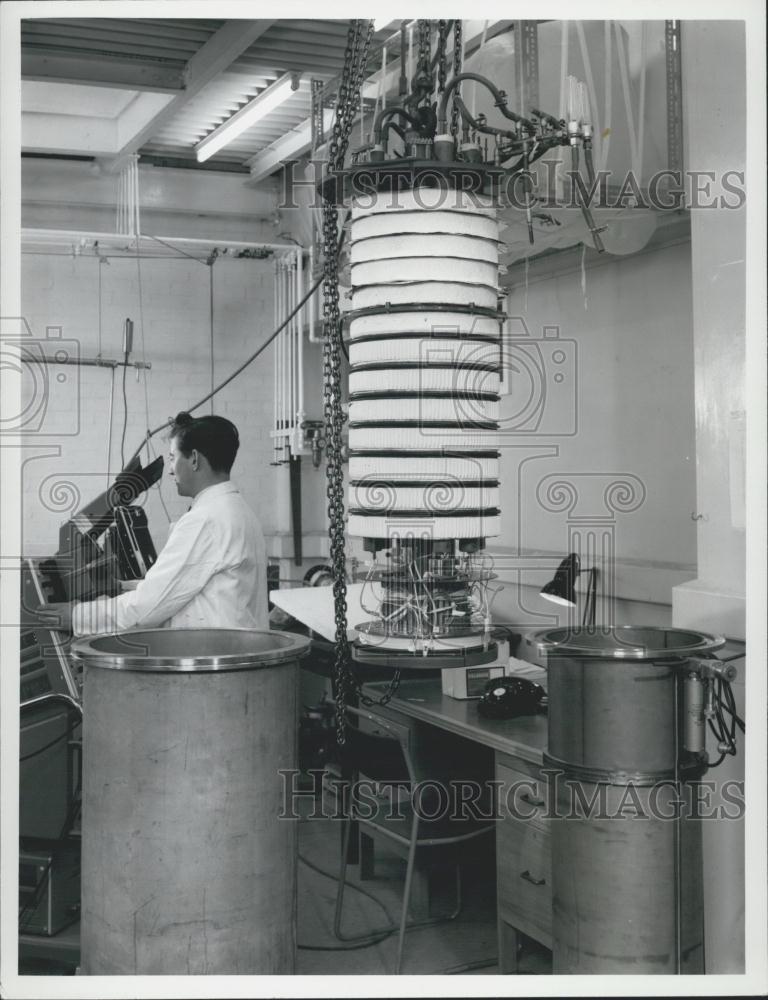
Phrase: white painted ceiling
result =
(38, 96)
(110, 87)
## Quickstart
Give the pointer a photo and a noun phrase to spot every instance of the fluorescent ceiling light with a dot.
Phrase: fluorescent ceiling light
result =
(254, 111)
(295, 142)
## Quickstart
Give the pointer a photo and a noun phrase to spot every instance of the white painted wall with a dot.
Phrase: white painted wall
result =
(59, 194)
(628, 368)
(66, 458)
(170, 308)
(715, 116)
(714, 85)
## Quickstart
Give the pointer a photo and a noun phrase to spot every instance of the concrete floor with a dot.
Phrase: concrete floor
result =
(466, 945)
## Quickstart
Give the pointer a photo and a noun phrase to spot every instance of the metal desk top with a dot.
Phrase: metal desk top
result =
(524, 737)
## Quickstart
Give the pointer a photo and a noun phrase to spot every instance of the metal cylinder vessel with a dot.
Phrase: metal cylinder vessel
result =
(627, 875)
(187, 867)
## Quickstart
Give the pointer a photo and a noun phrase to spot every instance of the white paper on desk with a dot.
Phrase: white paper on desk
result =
(531, 672)
(313, 607)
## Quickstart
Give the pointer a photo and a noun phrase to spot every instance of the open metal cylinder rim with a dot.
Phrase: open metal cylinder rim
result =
(624, 642)
(200, 650)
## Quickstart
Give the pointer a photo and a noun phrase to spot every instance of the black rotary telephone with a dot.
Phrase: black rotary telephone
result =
(508, 697)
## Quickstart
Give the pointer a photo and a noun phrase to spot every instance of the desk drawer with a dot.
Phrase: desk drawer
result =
(523, 853)
(522, 793)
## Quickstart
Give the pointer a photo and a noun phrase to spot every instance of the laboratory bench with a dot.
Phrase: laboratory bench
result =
(449, 735)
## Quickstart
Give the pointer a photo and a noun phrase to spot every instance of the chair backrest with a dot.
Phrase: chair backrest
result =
(375, 749)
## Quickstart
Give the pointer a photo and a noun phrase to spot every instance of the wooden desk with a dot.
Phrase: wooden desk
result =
(523, 881)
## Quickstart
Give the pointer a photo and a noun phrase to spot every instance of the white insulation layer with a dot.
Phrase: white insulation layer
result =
(422, 438)
(464, 411)
(419, 222)
(417, 269)
(422, 200)
(424, 322)
(427, 350)
(416, 249)
(422, 245)
(437, 467)
(461, 382)
(404, 291)
(425, 528)
(376, 495)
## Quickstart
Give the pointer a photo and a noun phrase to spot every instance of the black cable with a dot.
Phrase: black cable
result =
(59, 738)
(731, 706)
(125, 414)
(482, 963)
(724, 733)
(243, 366)
(513, 637)
(351, 885)
(349, 947)
(178, 250)
(376, 936)
(252, 358)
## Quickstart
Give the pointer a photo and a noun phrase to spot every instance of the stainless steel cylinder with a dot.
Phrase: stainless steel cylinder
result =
(626, 839)
(612, 696)
(627, 886)
(186, 867)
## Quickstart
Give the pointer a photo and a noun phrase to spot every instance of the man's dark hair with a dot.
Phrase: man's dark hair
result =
(214, 437)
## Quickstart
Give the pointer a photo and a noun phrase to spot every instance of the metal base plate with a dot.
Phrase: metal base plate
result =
(404, 660)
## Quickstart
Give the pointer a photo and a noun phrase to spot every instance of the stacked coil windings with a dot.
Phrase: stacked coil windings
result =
(424, 366)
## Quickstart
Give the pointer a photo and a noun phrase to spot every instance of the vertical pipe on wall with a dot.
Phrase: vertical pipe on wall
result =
(295, 333)
(129, 198)
(283, 338)
(138, 200)
(275, 349)
(281, 318)
(281, 345)
(300, 291)
(290, 331)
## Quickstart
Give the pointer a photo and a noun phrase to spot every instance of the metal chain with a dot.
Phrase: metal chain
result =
(456, 71)
(394, 684)
(442, 39)
(424, 72)
(355, 59)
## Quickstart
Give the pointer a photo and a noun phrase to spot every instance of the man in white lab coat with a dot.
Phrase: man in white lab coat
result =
(212, 571)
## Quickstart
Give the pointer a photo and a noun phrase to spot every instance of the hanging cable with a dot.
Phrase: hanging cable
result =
(125, 414)
(200, 260)
(210, 317)
(161, 427)
(159, 484)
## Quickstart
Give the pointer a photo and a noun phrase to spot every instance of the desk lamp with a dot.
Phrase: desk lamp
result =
(560, 590)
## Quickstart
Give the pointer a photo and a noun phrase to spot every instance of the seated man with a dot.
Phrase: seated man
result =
(212, 571)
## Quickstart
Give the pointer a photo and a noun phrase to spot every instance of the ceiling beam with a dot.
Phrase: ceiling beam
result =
(100, 71)
(292, 145)
(218, 53)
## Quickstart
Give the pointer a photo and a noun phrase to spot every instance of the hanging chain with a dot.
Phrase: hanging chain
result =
(424, 80)
(355, 59)
(456, 71)
(442, 40)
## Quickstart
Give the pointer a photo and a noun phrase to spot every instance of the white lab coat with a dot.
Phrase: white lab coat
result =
(210, 574)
